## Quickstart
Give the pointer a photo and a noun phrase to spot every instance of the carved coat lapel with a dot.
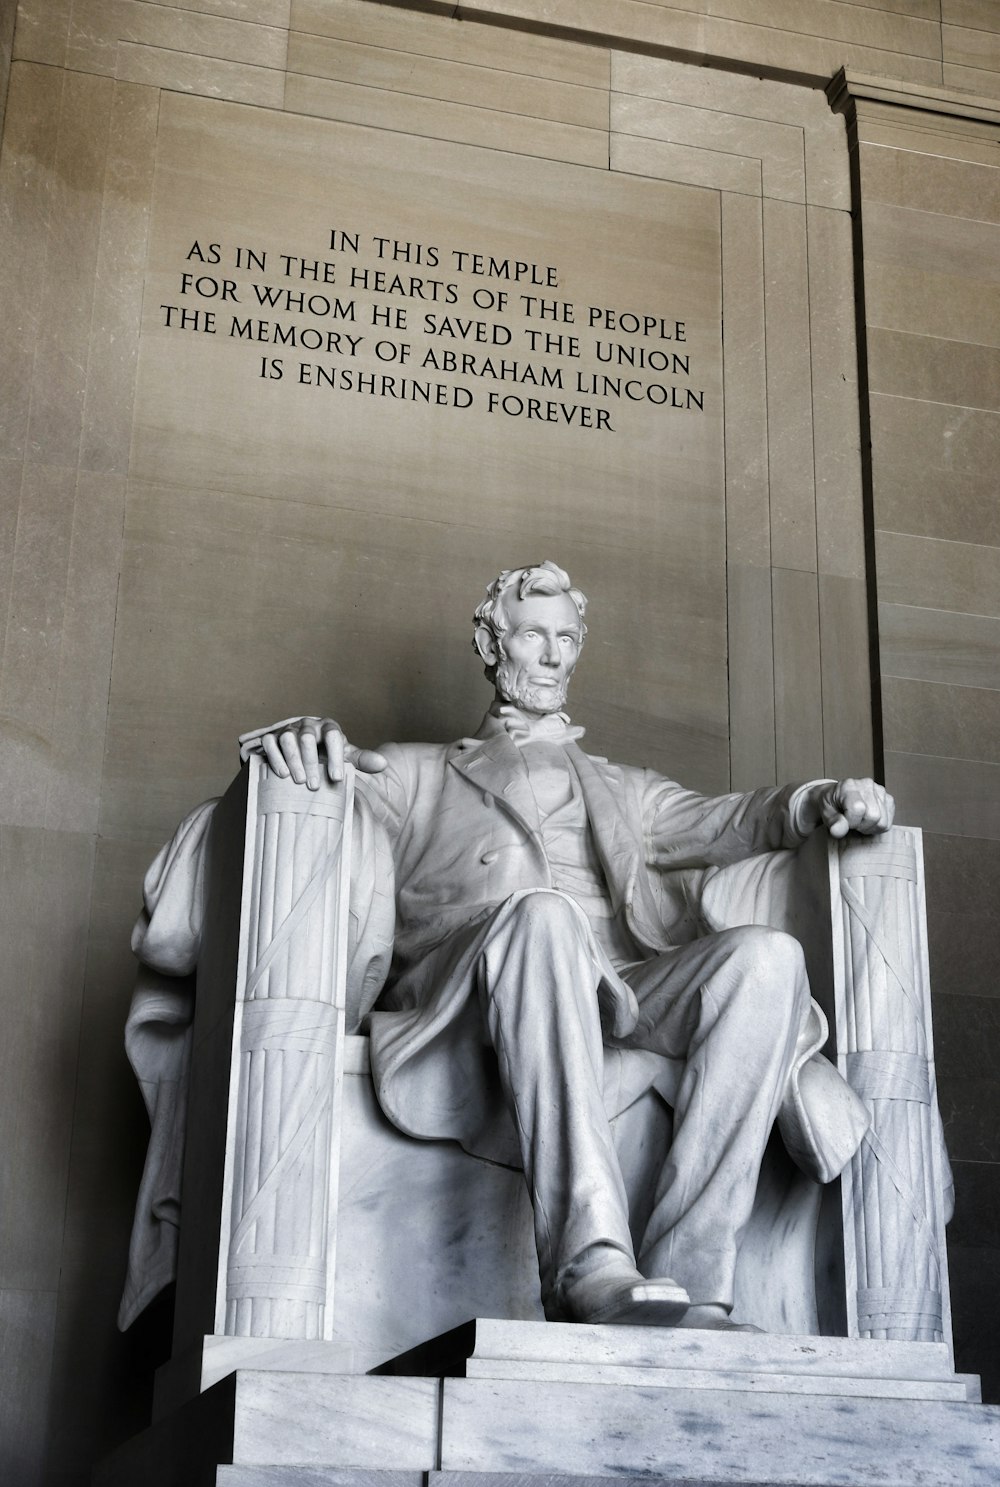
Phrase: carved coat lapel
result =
(619, 845)
(495, 766)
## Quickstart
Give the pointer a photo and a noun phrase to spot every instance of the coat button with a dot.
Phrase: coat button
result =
(488, 858)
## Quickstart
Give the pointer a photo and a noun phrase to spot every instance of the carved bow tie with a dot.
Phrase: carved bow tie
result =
(523, 729)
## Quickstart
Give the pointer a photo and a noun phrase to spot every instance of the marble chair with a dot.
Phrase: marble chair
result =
(315, 1234)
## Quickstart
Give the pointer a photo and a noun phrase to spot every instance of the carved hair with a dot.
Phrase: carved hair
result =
(544, 578)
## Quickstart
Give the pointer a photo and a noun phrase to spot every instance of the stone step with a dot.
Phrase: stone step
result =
(315, 1476)
(214, 1357)
(312, 1425)
(549, 1344)
(961, 1387)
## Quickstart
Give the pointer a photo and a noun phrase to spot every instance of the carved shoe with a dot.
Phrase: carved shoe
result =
(618, 1293)
(713, 1318)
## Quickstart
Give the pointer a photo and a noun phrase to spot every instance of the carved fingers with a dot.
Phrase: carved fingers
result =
(857, 805)
(300, 748)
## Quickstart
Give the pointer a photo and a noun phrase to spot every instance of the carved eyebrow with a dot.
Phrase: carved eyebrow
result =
(524, 625)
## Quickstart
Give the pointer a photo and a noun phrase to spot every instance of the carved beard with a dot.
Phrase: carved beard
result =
(514, 686)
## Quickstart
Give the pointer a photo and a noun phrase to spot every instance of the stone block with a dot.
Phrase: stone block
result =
(798, 700)
(316, 1476)
(954, 796)
(933, 369)
(940, 251)
(534, 1346)
(789, 387)
(961, 576)
(59, 371)
(778, 147)
(975, 13)
(748, 516)
(121, 258)
(409, 73)
(188, 72)
(743, 97)
(845, 658)
(937, 645)
(27, 168)
(749, 32)
(259, 12)
(920, 449)
(978, 47)
(215, 1357)
(42, 31)
(694, 166)
(710, 1437)
(985, 84)
(404, 29)
(840, 548)
(928, 181)
(260, 1419)
(955, 722)
(99, 25)
(538, 1399)
(443, 119)
(887, 29)
(751, 678)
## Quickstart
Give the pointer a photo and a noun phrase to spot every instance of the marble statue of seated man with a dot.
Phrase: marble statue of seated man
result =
(543, 914)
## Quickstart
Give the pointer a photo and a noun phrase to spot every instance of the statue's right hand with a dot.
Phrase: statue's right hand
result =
(294, 748)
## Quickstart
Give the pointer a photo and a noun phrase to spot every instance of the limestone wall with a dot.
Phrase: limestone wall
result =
(188, 550)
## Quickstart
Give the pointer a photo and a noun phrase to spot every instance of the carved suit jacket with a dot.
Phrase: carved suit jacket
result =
(463, 829)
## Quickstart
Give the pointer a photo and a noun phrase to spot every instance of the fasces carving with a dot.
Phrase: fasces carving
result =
(288, 1040)
(895, 1188)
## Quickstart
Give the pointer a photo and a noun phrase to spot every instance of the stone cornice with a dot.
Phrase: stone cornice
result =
(848, 85)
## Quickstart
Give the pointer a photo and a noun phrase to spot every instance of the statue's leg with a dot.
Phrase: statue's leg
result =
(731, 1006)
(538, 981)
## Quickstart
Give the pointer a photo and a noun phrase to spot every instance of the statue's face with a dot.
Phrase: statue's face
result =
(540, 649)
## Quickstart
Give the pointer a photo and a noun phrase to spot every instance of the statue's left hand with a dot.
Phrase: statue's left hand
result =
(855, 805)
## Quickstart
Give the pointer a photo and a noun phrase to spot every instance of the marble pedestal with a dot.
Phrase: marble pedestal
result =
(549, 1403)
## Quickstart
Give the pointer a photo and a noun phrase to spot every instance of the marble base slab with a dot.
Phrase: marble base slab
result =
(314, 1476)
(711, 1436)
(961, 1387)
(569, 1406)
(486, 1347)
(213, 1358)
(255, 1418)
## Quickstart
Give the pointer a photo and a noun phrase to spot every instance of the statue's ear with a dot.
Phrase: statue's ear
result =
(486, 645)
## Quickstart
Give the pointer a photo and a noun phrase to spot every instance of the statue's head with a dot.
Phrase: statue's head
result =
(529, 633)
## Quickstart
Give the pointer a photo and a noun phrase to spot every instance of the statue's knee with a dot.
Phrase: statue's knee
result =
(773, 961)
(538, 955)
(544, 913)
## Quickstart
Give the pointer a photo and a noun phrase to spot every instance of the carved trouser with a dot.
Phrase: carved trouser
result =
(730, 1006)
